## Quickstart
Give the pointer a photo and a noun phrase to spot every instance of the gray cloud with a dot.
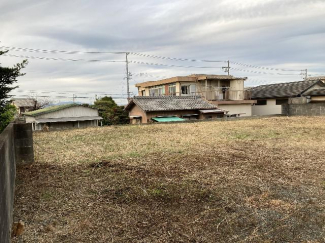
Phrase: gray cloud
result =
(283, 34)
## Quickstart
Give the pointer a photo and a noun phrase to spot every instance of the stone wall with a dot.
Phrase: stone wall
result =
(16, 146)
(309, 109)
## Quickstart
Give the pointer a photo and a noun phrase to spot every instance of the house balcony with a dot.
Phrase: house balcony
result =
(224, 94)
(218, 95)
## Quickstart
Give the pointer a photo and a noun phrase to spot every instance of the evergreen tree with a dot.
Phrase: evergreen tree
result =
(8, 78)
(111, 113)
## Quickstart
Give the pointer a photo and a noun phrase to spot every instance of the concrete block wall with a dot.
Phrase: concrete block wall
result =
(16, 146)
(7, 181)
(309, 109)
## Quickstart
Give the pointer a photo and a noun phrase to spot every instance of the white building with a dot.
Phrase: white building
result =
(63, 117)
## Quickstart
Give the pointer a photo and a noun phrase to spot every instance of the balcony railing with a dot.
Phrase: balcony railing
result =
(225, 94)
(215, 93)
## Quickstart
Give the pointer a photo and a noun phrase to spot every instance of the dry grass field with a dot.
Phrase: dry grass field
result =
(260, 180)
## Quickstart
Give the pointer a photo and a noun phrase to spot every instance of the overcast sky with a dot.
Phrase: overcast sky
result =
(280, 34)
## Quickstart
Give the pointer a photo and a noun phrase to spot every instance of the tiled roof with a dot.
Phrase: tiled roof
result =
(50, 109)
(170, 103)
(315, 92)
(283, 90)
(23, 102)
(316, 78)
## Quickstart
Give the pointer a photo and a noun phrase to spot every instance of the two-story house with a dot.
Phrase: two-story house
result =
(225, 91)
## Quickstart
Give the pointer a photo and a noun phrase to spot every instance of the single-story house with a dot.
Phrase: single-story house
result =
(146, 109)
(24, 104)
(270, 97)
(63, 117)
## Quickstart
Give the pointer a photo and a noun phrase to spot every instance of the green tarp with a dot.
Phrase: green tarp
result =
(168, 119)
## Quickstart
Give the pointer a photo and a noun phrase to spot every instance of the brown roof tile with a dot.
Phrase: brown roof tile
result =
(170, 103)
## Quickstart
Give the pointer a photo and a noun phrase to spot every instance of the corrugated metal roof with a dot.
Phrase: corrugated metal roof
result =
(283, 90)
(170, 103)
(51, 109)
(167, 119)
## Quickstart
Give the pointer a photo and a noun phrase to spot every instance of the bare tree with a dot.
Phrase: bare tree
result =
(42, 103)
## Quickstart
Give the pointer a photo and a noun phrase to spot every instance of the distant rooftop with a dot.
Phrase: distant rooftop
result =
(322, 78)
(24, 102)
(189, 78)
(49, 109)
(283, 90)
(315, 92)
(170, 103)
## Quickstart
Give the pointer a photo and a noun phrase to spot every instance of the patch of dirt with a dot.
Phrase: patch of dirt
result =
(164, 186)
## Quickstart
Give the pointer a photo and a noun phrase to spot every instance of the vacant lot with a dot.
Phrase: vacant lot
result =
(257, 180)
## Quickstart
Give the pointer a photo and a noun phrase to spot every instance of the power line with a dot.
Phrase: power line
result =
(259, 72)
(266, 68)
(76, 60)
(166, 65)
(317, 74)
(147, 63)
(60, 59)
(148, 75)
(58, 51)
(134, 53)
(173, 58)
(67, 92)
(62, 96)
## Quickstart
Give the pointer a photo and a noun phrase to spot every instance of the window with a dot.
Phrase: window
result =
(261, 102)
(188, 89)
(153, 92)
(281, 101)
(185, 89)
(193, 89)
(157, 91)
(172, 89)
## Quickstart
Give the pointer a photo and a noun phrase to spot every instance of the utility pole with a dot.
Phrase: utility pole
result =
(304, 72)
(227, 69)
(127, 75)
(73, 97)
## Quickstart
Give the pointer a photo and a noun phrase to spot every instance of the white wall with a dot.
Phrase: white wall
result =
(30, 119)
(236, 90)
(237, 109)
(237, 85)
(269, 109)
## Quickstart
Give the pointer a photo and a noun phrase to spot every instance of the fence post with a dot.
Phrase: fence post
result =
(23, 135)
